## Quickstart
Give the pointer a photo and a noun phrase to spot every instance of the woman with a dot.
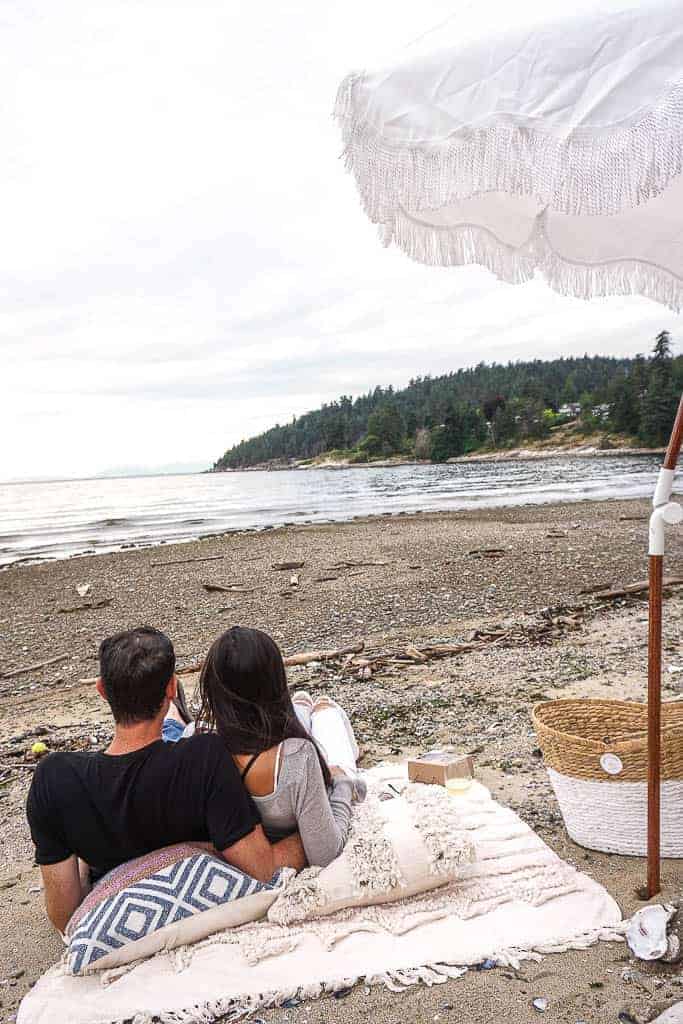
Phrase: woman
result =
(277, 743)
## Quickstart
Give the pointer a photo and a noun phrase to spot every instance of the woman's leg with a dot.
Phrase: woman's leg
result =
(332, 730)
(303, 705)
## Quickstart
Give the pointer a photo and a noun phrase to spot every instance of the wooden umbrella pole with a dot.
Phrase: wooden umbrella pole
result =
(654, 686)
(654, 727)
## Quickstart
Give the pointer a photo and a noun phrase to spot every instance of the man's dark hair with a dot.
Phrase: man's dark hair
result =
(136, 666)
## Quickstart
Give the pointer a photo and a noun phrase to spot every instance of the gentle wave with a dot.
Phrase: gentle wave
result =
(42, 521)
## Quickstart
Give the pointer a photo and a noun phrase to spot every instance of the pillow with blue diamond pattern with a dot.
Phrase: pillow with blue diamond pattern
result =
(165, 899)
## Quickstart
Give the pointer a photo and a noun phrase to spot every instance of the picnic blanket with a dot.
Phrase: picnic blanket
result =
(518, 901)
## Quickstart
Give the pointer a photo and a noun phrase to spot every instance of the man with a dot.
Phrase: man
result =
(140, 794)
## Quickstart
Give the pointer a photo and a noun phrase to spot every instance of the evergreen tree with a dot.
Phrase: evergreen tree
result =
(387, 426)
(504, 424)
(448, 440)
(661, 400)
(625, 405)
(474, 428)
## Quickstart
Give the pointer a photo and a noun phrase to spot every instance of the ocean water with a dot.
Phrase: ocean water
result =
(41, 521)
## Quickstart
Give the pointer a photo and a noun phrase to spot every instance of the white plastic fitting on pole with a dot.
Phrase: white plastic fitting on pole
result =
(670, 514)
(663, 487)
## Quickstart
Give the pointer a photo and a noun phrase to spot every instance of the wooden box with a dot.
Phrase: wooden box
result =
(437, 766)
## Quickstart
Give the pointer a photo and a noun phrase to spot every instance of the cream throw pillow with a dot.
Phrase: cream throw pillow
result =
(398, 846)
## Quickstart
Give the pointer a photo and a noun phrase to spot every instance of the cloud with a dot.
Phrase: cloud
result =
(185, 261)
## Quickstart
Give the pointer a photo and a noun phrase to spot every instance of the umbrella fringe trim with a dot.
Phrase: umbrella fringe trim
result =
(585, 172)
(468, 244)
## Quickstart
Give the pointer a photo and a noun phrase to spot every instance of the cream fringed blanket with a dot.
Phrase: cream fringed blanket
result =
(518, 901)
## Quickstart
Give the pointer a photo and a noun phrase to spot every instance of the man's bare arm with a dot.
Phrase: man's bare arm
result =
(255, 856)
(289, 853)
(63, 890)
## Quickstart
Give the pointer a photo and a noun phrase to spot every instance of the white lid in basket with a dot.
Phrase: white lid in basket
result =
(611, 763)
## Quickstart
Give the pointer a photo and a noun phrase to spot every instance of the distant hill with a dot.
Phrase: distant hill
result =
(482, 408)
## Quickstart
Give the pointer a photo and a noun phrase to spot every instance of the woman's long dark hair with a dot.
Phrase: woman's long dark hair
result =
(244, 695)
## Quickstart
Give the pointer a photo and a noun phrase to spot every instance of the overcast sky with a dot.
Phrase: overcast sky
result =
(184, 261)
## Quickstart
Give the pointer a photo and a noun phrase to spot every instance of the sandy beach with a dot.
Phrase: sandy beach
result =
(388, 581)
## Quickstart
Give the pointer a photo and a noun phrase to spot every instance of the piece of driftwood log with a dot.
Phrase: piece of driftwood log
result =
(553, 626)
(284, 566)
(597, 588)
(633, 519)
(33, 668)
(324, 579)
(231, 588)
(307, 656)
(185, 561)
(411, 654)
(356, 565)
(293, 659)
(488, 552)
(102, 603)
(636, 588)
(25, 765)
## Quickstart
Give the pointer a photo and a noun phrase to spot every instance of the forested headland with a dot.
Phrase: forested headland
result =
(629, 401)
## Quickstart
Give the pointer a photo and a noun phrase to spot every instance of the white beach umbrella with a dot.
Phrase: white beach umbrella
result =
(532, 142)
(543, 140)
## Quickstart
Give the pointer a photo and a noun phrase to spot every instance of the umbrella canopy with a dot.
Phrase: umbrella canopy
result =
(551, 144)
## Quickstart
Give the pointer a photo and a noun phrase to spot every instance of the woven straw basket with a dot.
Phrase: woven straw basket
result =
(596, 755)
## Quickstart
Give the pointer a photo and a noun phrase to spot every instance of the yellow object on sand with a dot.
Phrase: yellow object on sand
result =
(39, 749)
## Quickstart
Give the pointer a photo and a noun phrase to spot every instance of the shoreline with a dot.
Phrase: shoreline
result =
(28, 560)
(499, 455)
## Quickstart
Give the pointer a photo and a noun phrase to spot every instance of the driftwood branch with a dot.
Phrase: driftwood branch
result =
(307, 656)
(284, 566)
(636, 588)
(231, 588)
(86, 606)
(33, 668)
(355, 565)
(554, 625)
(185, 561)
(596, 588)
(293, 659)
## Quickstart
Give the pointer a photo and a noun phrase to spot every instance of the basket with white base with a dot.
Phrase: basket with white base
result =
(596, 755)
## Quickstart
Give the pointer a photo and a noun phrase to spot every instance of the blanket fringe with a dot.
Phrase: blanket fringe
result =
(230, 1011)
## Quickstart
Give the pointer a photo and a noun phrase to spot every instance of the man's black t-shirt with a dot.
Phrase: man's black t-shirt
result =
(108, 809)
